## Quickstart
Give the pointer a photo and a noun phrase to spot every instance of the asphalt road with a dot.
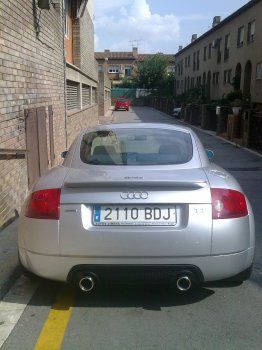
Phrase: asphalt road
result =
(219, 316)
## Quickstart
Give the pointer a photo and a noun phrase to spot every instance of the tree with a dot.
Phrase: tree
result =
(152, 72)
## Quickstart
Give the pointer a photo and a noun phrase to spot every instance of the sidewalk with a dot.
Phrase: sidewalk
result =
(9, 268)
(107, 119)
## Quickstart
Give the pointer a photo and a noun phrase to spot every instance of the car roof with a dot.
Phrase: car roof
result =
(138, 126)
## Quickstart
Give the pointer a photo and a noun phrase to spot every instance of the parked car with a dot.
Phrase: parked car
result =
(177, 112)
(122, 103)
(137, 202)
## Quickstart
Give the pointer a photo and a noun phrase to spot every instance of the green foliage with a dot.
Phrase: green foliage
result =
(234, 95)
(236, 103)
(192, 96)
(128, 83)
(152, 72)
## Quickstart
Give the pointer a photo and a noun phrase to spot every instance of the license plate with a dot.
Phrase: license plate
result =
(154, 215)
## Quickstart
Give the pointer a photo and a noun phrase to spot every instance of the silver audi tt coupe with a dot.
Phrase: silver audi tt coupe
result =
(137, 203)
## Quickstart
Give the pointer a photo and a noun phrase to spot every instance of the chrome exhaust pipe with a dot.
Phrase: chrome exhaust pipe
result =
(183, 283)
(86, 284)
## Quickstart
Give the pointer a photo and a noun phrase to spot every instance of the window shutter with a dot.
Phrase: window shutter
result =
(86, 95)
(72, 95)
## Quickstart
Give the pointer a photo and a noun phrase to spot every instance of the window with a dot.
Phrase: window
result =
(227, 76)
(100, 68)
(66, 14)
(210, 51)
(113, 69)
(72, 95)
(198, 53)
(128, 71)
(227, 46)
(216, 78)
(194, 61)
(86, 95)
(259, 71)
(182, 64)
(205, 53)
(240, 36)
(251, 31)
(136, 147)
(188, 61)
(218, 47)
(170, 69)
(192, 83)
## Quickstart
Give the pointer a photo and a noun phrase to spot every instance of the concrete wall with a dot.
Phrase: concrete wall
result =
(31, 75)
(104, 94)
(249, 51)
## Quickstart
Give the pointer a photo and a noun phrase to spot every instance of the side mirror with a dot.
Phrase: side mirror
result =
(210, 154)
(64, 154)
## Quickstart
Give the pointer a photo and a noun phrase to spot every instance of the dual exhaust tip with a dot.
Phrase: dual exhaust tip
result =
(87, 283)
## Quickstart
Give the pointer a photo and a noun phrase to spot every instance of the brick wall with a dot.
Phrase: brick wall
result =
(84, 72)
(87, 118)
(31, 75)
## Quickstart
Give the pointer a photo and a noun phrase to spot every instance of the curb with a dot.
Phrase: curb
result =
(211, 133)
(10, 270)
(10, 280)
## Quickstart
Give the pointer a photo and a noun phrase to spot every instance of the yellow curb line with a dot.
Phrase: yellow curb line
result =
(54, 328)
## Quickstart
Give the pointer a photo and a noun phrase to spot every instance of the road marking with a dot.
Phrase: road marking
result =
(14, 304)
(54, 328)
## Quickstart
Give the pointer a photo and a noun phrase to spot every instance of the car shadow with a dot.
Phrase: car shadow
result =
(153, 298)
(117, 296)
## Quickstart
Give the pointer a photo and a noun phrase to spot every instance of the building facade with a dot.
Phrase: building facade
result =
(81, 67)
(48, 89)
(122, 65)
(231, 51)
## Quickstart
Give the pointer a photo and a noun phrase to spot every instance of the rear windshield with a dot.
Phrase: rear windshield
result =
(136, 147)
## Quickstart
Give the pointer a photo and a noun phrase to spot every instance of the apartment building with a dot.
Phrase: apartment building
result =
(43, 101)
(120, 65)
(230, 51)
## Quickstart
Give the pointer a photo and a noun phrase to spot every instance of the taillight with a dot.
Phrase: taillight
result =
(228, 204)
(44, 204)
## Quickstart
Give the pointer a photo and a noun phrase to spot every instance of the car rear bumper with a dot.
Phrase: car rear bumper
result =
(212, 268)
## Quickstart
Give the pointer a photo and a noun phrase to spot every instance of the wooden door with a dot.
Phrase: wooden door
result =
(36, 143)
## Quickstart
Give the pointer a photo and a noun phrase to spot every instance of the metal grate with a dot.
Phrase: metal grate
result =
(72, 95)
(86, 95)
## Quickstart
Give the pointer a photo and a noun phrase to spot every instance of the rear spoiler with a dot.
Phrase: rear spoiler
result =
(182, 185)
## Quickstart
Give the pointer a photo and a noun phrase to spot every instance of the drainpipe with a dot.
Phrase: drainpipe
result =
(64, 57)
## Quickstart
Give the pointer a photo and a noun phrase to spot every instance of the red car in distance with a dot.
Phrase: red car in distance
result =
(122, 103)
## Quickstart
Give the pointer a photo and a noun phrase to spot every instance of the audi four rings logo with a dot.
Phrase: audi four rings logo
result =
(134, 195)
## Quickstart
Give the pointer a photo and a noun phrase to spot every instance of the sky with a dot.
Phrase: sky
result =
(158, 25)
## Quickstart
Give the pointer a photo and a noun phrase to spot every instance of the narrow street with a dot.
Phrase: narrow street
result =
(218, 316)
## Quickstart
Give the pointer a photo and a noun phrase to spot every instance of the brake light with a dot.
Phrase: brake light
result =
(44, 204)
(228, 204)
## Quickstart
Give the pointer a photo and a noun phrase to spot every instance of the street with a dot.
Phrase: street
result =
(218, 316)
